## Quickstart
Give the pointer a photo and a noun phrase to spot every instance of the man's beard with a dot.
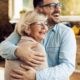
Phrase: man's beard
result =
(52, 22)
(54, 19)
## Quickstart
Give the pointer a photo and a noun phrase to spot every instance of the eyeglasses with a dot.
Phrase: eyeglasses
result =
(52, 5)
(40, 23)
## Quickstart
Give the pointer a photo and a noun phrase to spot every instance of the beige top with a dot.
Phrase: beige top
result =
(11, 64)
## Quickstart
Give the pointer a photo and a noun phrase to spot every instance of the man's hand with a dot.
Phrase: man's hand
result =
(25, 53)
(27, 74)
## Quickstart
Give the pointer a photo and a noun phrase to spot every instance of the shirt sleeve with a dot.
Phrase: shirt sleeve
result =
(8, 46)
(67, 57)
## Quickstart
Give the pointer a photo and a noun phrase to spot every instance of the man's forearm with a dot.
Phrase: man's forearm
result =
(8, 47)
(60, 72)
(7, 50)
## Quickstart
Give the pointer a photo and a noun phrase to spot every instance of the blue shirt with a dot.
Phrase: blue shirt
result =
(60, 45)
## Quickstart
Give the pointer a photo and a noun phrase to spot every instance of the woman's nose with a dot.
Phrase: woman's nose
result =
(45, 27)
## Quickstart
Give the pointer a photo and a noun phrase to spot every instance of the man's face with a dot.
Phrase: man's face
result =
(52, 8)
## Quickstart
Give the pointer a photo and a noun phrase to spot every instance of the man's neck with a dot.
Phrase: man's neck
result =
(50, 24)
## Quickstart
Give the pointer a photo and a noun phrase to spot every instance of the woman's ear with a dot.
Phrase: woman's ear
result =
(28, 30)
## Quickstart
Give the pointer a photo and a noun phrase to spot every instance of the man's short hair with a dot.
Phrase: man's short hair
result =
(37, 3)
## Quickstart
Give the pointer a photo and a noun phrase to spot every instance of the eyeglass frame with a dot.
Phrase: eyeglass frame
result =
(40, 23)
(52, 5)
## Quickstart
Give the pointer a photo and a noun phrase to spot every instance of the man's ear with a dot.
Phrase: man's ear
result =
(39, 9)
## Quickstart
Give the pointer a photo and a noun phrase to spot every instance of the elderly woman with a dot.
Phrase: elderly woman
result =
(32, 28)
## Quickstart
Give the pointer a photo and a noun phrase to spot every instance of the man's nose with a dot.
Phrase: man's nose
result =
(57, 8)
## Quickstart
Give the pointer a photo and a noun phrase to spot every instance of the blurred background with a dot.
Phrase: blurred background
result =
(12, 10)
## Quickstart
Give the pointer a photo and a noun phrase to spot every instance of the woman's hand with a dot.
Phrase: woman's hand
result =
(27, 74)
(25, 53)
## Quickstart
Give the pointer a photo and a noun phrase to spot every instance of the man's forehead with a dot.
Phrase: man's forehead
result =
(50, 1)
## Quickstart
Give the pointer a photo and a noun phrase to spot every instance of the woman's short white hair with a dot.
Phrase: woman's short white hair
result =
(28, 18)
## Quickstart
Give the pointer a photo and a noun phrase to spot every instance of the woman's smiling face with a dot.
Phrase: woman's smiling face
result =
(38, 30)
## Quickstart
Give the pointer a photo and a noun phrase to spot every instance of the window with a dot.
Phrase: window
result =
(15, 6)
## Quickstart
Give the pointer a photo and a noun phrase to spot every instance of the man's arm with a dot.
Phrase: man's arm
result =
(8, 46)
(9, 50)
(66, 65)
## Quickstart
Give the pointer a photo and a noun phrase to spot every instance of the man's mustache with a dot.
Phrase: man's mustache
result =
(55, 12)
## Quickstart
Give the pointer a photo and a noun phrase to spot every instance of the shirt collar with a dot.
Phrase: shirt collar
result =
(54, 27)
